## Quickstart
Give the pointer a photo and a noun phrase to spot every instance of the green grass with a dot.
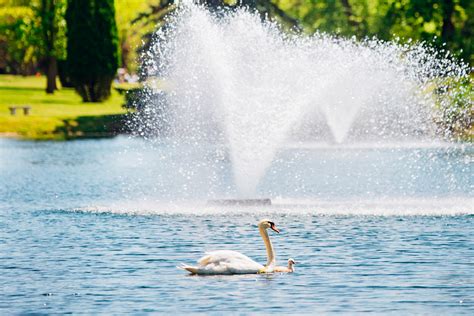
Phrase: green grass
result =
(62, 115)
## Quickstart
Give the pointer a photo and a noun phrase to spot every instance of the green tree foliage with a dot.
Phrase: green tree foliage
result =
(130, 34)
(32, 33)
(26, 28)
(18, 38)
(92, 47)
(439, 22)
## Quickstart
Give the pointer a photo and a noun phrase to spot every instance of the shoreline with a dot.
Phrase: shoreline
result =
(71, 128)
(60, 137)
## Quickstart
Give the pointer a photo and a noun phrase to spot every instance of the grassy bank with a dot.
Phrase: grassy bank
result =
(59, 116)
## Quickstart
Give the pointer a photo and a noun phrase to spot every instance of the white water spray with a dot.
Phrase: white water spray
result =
(236, 80)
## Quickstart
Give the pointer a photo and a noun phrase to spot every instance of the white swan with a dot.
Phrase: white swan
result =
(233, 262)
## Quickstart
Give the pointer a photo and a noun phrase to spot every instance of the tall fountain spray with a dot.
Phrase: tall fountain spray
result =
(243, 83)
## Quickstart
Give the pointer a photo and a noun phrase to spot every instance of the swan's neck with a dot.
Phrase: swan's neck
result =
(268, 246)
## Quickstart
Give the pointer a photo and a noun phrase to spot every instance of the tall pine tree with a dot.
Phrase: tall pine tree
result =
(92, 47)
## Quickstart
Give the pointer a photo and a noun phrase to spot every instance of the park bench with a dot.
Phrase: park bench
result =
(26, 109)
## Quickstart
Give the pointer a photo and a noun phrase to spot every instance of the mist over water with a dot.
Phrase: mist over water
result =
(245, 85)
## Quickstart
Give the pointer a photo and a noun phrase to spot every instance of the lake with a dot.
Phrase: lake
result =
(99, 226)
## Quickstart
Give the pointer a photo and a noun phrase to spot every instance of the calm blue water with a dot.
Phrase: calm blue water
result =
(87, 227)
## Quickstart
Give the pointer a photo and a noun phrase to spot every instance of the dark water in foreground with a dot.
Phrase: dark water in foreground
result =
(59, 253)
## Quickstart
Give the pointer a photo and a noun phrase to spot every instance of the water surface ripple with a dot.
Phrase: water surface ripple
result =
(60, 262)
(61, 253)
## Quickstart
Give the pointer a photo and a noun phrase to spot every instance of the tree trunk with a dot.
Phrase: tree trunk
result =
(447, 32)
(51, 74)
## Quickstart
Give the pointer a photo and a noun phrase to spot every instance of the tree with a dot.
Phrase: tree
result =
(53, 37)
(437, 22)
(32, 33)
(92, 47)
(17, 38)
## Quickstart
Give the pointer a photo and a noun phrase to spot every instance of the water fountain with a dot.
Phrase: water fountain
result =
(322, 126)
(250, 89)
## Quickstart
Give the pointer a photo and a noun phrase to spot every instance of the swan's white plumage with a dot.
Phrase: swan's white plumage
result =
(225, 262)
(233, 262)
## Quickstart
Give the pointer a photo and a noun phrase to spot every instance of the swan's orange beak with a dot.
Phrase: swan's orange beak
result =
(273, 227)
